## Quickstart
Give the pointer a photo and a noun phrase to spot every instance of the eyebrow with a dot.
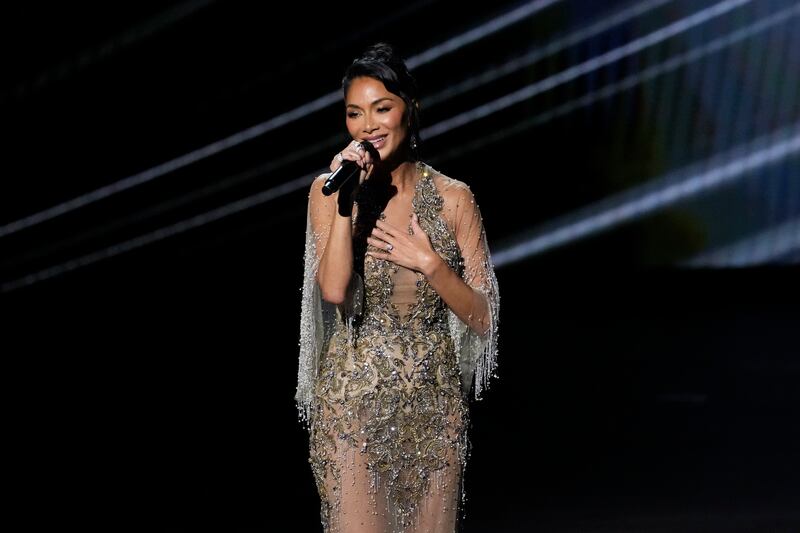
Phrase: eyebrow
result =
(373, 103)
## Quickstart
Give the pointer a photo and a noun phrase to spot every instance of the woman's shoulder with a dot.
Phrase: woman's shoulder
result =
(450, 188)
(454, 192)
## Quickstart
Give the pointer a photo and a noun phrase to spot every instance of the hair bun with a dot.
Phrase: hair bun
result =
(379, 52)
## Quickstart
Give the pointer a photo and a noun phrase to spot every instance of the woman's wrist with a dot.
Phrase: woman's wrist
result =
(345, 209)
(433, 265)
(345, 198)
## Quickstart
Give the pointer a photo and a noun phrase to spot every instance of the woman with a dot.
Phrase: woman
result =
(399, 316)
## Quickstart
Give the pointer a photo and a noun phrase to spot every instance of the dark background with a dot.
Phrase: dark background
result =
(154, 389)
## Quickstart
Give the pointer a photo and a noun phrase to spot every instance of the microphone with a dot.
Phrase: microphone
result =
(341, 175)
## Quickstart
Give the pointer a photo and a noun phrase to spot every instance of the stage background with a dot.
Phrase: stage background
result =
(637, 164)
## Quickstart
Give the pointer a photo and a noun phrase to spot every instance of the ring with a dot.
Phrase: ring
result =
(339, 157)
(389, 248)
(359, 146)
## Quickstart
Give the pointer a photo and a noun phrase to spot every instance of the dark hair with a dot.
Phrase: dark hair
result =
(381, 62)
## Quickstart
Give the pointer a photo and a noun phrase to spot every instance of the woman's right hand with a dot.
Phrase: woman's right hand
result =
(352, 152)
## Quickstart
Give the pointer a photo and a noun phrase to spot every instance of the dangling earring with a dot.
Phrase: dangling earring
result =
(413, 142)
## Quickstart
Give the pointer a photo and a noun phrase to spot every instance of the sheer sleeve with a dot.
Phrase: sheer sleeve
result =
(475, 338)
(320, 215)
(318, 317)
(312, 330)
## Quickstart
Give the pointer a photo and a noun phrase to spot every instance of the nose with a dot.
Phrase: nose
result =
(368, 126)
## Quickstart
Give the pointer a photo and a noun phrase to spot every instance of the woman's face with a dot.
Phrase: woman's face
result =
(376, 115)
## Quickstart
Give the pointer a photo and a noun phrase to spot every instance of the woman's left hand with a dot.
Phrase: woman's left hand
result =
(411, 251)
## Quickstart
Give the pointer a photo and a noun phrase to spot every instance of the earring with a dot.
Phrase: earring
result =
(413, 142)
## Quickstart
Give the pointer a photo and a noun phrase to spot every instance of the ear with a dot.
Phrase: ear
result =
(409, 112)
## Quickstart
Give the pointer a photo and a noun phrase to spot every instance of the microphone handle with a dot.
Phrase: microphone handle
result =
(338, 177)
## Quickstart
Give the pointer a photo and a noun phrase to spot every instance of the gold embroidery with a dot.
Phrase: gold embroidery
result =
(391, 402)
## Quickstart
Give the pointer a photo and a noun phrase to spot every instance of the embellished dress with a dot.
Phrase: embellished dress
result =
(384, 377)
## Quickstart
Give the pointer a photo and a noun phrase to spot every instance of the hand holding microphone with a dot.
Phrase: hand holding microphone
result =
(347, 163)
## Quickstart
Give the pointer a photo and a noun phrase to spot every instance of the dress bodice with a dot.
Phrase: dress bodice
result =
(397, 299)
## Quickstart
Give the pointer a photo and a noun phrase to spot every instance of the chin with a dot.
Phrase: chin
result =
(389, 153)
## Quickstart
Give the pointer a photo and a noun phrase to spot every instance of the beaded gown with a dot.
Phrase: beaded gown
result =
(384, 377)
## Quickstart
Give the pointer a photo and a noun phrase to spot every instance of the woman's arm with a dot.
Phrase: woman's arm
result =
(468, 304)
(332, 223)
(333, 233)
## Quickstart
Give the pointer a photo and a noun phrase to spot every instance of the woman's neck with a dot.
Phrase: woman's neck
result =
(404, 177)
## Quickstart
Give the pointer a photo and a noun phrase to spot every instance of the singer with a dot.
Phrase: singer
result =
(399, 318)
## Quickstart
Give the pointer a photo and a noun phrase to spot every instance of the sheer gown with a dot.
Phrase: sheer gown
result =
(384, 377)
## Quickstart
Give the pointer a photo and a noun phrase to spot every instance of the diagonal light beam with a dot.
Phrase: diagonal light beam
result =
(484, 30)
(653, 196)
